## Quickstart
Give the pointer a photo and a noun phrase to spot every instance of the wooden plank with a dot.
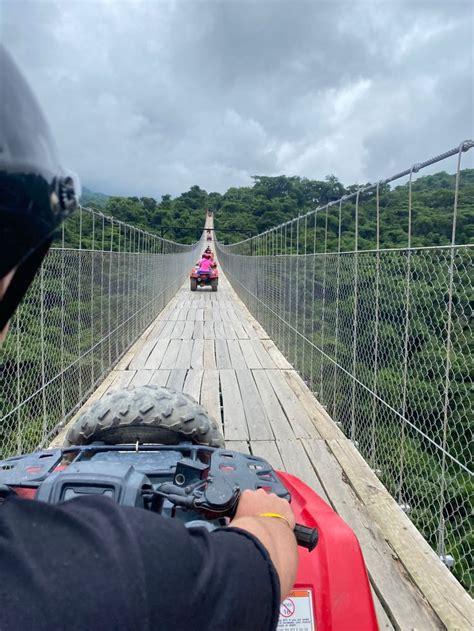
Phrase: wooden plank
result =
(140, 358)
(210, 397)
(181, 315)
(121, 380)
(142, 377)
(192, 383)
(276, 355)
(156, 328)
(446, 596)
(207, 313)
(251, 358)
(263, 357)
(382, 617)
(160, 377)
(176, 379)
(323, 422)
(199, 315)
(177, 332)
(219, 332)
(198, 333)
(229, 331)
(280, 424)
(209, 330)
(297, 462)
(197, 355)
(139, 352)
(238, 445)
(398, 595)
(236, 358)
(260, 331)
(191, 314)
(222, 354)
(294, 411)
(240, 332)
(209, 356)
(184, 356)
(156, 356)
(249, 330)
(166, 330)
(188, 331)
(235, 425)
(268, 450)
(257, 421)
(171, 354)
(232, 313)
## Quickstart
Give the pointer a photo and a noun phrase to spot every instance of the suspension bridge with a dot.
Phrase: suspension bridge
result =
(290, 356)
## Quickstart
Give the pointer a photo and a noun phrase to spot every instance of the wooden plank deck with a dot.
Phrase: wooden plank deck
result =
(209, 345)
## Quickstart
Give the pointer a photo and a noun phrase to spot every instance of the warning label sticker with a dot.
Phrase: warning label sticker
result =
(296, 612)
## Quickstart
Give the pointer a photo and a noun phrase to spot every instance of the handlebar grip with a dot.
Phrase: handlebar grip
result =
(306, 537)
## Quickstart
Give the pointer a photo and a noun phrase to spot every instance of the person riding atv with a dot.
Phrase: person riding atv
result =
(205, 273)
(88, 562)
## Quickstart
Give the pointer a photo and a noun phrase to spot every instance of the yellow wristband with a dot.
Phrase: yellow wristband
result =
(276, 516)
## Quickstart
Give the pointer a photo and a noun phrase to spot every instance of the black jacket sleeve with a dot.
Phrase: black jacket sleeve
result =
(91, 564)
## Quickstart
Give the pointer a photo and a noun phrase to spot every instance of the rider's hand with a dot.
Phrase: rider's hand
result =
(253, 503)
(273, 533)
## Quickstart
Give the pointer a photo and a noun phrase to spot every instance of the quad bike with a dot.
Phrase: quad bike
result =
(201, 278)
(157, 449)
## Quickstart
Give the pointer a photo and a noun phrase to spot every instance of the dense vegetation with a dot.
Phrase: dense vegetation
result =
(273, 200)
(243, 211)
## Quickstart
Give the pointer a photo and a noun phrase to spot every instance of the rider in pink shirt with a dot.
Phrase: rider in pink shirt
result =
(205, 263)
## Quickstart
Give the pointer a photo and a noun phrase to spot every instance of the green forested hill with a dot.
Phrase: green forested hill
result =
(273, 200)
(77, 310)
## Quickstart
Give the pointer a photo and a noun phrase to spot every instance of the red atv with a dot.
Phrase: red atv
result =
(204, 278)
(175, 464)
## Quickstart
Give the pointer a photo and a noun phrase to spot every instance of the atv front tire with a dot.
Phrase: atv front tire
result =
(194, 284)
(147, 414)
(214, 284)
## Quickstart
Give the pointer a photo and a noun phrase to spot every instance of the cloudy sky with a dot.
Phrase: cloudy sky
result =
(151, 97)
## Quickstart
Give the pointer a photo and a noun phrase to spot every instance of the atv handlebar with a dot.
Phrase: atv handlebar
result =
(221, 499)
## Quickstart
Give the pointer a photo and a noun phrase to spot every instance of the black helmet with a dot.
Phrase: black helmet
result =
(35, 193)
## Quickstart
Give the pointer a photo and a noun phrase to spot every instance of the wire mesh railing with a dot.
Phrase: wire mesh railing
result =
(376, 318)
(101, 285)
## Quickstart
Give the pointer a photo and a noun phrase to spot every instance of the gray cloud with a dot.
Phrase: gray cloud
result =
(153, 97)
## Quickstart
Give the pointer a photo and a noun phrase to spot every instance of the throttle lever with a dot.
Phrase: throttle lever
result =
(306, 537)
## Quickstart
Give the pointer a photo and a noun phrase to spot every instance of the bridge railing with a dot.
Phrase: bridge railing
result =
(375, 317)
(100, 286)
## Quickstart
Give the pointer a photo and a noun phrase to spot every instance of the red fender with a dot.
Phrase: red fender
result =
(335, 570)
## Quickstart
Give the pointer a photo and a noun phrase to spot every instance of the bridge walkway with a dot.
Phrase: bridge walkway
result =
(208, 345)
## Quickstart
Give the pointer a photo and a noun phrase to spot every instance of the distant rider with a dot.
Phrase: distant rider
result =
(89, 563)
(205, 264)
